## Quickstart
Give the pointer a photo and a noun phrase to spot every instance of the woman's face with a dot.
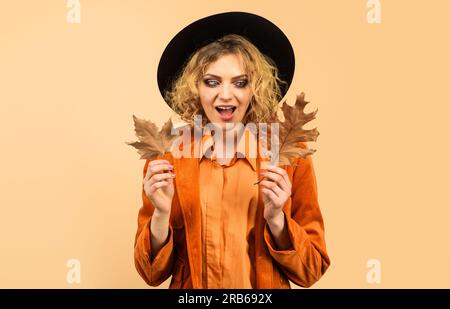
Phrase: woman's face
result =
(224, 90)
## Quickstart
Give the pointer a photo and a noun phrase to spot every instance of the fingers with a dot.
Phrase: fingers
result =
(281, 172)
(273, 197)
(157, 185)
(160, 177)
(158, 161)
(156, 166)
(279, 176)
(154, 181)
(273, 187)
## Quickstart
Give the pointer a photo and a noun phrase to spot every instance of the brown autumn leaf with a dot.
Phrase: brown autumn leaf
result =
(151, 141)
(291, 132)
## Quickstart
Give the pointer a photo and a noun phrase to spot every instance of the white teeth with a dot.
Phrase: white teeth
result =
(224, 108)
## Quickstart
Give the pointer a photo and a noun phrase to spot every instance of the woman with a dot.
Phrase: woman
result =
(203, 220)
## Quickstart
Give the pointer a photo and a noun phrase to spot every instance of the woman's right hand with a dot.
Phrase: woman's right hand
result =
(159, 187)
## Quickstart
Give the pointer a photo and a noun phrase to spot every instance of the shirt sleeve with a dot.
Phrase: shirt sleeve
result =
(154, 271)
(306, 260)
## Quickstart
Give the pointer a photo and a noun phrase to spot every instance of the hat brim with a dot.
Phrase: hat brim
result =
(265, 35)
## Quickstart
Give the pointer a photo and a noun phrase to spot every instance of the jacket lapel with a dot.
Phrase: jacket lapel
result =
(187, 186)
(263, 263)
(188, 192)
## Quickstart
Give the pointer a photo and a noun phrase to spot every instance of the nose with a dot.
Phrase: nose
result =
(225, 93)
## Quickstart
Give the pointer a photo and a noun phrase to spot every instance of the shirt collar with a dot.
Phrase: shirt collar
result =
(246, 146)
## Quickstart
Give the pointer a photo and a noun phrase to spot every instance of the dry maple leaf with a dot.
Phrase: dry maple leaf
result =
(151, 142)
(291, 132)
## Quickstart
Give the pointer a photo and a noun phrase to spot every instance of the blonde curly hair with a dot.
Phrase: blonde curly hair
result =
(263, 79)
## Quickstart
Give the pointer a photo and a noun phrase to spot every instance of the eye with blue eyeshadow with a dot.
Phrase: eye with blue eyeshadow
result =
(214, 83)
(211, 82)
(241, 83)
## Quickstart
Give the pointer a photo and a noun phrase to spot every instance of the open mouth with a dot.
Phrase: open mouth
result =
(225, 112)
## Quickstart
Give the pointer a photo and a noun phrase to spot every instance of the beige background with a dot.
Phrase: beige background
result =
(71, 188)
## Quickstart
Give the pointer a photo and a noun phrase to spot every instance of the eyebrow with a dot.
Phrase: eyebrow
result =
(218, 77)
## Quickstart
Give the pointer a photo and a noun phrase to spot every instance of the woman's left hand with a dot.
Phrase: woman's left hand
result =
(276, 191)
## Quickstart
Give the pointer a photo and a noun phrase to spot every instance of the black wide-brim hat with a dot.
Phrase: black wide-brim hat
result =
(265, 35)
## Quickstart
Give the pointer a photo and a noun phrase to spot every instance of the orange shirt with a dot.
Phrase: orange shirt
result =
(229, 200)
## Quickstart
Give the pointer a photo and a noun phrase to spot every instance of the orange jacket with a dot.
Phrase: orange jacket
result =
(181, 257)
